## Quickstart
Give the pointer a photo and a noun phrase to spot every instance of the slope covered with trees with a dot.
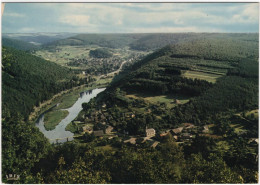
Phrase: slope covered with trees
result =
(146, 41)
(103, 40)
(18, 44)
(28, 80)
(37, 38)
(216, 57)
(100, 53)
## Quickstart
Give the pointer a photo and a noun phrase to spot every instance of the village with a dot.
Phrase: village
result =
(100, 66)
(100, 124)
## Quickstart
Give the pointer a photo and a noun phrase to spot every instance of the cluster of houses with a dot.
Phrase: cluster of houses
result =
(98, 117)
(185, 132)
(98, 133)
(180, 134)
(102, 117)
(103, 120)
(111, 64)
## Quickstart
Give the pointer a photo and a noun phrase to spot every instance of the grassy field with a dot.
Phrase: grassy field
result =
(65, 54)
(104, 80)
(62, 54)
(202, 76)
(53, 118)
(169, 100)
(69, 99)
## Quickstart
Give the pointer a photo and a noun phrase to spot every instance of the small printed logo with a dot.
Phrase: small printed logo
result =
(12, 177)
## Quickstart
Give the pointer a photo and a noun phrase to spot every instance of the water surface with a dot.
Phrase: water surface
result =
(59, 132)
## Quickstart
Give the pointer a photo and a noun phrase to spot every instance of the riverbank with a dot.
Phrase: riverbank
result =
(66, 98)
(50, 103)
(59, 133)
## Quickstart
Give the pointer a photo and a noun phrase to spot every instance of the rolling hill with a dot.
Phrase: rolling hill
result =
(215, 74)
(27, 80)
(37, 38)
(145, 41)
(209, 57)
(18, 44)
(103, 40)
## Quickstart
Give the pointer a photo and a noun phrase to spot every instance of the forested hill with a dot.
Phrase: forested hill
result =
(103, 40)
(28, 80)
(217, 56)
(159, 40)
(146, 41)
(18, 44)
(216, 74)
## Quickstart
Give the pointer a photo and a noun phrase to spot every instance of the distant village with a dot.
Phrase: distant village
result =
(99, 66)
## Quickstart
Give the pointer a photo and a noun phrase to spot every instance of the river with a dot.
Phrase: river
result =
(59, 134)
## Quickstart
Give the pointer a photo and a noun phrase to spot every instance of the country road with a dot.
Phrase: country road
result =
(112, 73)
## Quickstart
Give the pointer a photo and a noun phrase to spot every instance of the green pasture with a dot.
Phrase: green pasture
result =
(201, 76)
(53, 118)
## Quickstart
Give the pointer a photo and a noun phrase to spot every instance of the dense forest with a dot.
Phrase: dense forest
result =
(28, 80)
(216, 73)
(100, 53)
(103, 40)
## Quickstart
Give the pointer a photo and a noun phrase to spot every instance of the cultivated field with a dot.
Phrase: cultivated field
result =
(202, 76)
(169, 100)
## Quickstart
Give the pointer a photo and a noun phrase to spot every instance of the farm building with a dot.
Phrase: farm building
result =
(109, 129)
(187, 124)
(131, 140)
(176, 131)
(205, 129)
(87, 129)
(150, 132)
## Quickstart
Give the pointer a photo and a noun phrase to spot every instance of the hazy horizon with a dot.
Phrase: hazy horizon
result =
(130, 33)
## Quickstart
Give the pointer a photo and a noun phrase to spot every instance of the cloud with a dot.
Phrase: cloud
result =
(131, 17)
(16, 15)
(165, 29)
(74, 20)
(250, 14)
(26, 30)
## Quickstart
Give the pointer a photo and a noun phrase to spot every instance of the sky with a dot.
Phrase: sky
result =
(130, 17)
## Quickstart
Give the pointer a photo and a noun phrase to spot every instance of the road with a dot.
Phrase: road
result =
(112, 73)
